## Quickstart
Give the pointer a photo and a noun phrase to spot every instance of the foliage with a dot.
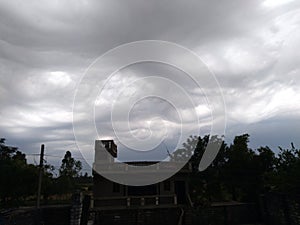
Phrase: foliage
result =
(240, 173)
(19, 180)
(187, 150)
(19, 177)
(286, 175)
(237, 173)
(69, 170)
(70, 167)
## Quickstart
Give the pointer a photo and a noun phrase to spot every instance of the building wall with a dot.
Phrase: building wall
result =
(105, 153)
(105, 188)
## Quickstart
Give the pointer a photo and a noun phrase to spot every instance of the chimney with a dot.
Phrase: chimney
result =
(110, 147)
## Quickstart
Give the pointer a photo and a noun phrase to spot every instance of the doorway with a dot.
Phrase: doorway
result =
(180, 192)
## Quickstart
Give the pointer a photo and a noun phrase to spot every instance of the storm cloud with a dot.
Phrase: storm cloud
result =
(46, 47)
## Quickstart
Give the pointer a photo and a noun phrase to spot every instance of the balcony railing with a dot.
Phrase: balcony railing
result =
(116, 167)
(134, 201)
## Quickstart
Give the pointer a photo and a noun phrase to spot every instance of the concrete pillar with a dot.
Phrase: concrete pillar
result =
(76, 209)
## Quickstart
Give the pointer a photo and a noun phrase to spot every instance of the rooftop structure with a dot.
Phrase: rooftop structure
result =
(111, 195)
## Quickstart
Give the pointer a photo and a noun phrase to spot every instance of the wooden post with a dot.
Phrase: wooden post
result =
(40, 176)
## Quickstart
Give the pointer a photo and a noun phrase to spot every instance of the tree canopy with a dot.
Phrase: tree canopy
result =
(240, 173)
(19, 180)
(70, 167)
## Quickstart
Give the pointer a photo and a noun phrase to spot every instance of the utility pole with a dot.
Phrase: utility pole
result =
(40, 176)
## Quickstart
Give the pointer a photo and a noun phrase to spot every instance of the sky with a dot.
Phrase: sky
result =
(48, 47)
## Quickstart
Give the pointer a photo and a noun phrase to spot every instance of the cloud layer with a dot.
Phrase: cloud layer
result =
(250, 46)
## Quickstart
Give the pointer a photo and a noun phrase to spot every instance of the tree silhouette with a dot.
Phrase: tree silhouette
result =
(69, 170)
(70, 167)
(19, 178)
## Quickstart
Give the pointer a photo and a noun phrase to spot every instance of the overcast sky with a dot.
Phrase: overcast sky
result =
(252, 47)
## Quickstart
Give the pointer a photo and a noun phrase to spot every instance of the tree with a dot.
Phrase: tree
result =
(20, 179)
(6, 152)
(240, 169)
(198, 151)
(187, 150)
(286, 174)
(70, 167)
(69, 170)
(205, 186)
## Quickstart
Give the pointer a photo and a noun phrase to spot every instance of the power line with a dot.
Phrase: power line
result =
(57, 156)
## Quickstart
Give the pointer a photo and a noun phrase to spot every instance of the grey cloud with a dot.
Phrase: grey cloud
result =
(250, 47)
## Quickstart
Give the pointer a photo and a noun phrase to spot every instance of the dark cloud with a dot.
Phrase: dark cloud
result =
(46, 47)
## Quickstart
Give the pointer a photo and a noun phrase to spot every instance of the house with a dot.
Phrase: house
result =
(107, 194)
